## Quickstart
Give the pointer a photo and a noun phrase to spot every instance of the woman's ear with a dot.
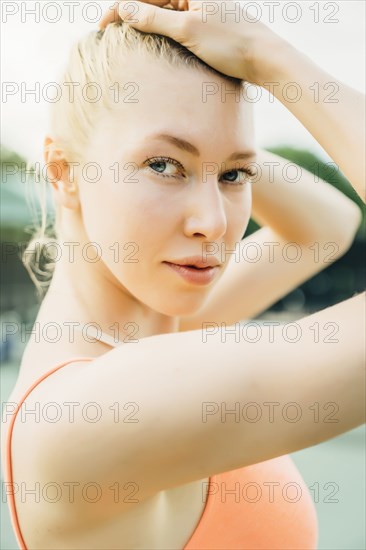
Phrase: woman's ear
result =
(61, 176)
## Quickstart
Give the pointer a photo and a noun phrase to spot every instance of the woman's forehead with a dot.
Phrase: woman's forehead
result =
(152, 98)
(150, 81)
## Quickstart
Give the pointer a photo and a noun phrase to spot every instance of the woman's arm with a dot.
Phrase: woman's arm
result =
(179, 407)
(333, 112)
(300, 208)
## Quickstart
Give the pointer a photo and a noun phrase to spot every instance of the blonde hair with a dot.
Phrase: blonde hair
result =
(95, 59)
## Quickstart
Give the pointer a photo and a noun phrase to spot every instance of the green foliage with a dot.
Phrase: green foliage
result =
(6, 155)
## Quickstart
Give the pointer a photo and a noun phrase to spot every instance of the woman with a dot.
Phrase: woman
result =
(146, 441)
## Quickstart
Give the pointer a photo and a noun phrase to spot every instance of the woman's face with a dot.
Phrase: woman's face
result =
(141, 215)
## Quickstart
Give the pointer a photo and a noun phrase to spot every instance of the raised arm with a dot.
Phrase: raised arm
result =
(333, 112)
(165, 406)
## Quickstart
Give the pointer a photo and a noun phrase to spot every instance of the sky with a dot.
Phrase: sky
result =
(332, 34)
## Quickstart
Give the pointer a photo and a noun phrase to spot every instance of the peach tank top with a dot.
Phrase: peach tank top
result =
(264, 506)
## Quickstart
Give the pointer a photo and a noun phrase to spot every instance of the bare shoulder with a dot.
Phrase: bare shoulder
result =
(30, 415)
(43, 365)
(25, 409)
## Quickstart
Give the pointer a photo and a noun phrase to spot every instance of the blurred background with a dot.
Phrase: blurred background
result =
(333, 35)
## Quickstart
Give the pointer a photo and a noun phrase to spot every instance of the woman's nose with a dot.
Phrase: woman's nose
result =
(205, 214)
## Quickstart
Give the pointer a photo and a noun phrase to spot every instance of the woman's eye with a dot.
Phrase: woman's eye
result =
(165, 167)
(232, 176)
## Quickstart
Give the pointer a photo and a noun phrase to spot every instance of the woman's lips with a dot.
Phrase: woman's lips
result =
(195, 275)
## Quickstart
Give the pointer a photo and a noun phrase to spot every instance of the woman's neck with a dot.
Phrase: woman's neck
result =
(109, 306)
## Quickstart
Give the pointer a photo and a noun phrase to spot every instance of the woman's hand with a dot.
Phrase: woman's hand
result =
(112, 14)
(222, 33)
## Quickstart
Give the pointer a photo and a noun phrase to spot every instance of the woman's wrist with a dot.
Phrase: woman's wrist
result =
(271, 61)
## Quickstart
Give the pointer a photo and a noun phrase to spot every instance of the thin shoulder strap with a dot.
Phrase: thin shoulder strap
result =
(8, 471)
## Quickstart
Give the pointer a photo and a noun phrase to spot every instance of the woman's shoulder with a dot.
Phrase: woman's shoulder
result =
(43, 354)
(40, 361)
(43, 366)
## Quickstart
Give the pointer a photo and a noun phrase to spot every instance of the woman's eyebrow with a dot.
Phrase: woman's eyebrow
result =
(189, 148)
